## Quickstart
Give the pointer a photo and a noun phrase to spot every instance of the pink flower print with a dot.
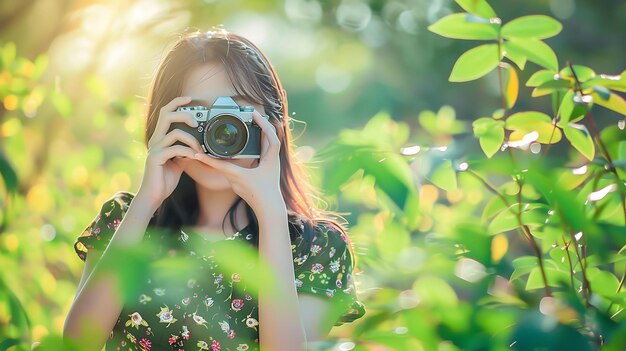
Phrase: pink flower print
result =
(315, 249)
(145, 344)
(243, 347)
(114, 224)
(231, 334)
(172, 339)
(248, 297)
(330, 293)
(215, 346)
(237, 304)
(97, 231)
(317, 268)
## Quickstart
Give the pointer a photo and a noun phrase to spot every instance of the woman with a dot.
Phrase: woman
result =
(186, 195)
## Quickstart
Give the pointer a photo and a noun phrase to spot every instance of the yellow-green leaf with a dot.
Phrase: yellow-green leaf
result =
(533, 26)
(490, 134)
(614, 102)
(456, 26)
(477, 7)
(475, 63)
(529, 121)
(535, 50)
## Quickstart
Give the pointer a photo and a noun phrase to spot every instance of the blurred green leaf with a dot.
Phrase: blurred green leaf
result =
(581, 140)
(533, 26)
(62, 104)
(477, 7)
(490, 134)
(475, 63)
(444, 176)
(456, 26)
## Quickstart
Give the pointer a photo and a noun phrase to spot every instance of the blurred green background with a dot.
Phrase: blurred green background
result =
(73, 83)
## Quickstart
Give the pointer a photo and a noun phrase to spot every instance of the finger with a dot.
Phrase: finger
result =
(268, 128)
(220, 165)
(164, 125)
(168, 108)
(179, 135)
(269, 133)
(167, 153)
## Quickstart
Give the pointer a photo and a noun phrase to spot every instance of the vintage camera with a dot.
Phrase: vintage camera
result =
(226, 130)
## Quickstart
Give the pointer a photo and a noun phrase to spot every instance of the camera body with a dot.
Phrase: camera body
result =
(225, 130)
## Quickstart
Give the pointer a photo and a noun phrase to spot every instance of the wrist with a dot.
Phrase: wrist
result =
(146, 202)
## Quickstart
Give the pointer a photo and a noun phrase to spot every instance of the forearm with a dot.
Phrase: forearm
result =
(98, 302)
(280, 324)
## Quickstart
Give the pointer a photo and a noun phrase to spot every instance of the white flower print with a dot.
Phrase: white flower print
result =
(199, 320)
(224, 325)
(144, 299)
(166, 316)
(332, 252)
(208, 302)
(159, 291)
(334, 265)
(136, 320)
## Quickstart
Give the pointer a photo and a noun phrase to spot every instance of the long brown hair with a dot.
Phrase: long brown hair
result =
(253, 77)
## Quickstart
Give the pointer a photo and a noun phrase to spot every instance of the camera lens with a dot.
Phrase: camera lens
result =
(227, 135)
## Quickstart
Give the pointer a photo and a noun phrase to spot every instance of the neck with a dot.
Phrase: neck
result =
(213, 208)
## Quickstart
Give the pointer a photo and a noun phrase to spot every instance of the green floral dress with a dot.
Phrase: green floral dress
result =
(212, 310)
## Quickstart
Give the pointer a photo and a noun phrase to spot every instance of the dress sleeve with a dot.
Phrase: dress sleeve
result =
(98, 233)
(326, 270)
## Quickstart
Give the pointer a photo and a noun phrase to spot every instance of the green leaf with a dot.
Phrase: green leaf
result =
(444, 176)
(533, 26)
(614, 102)
(614, 82)
(516, 57)
(529, 121)
(477, 7)
(583, 73)
(581, 140)
(569, 109)
(603, 92)
(555, 278)
(539, 78)
(535, 50)
(475, 63)
(490, 134)
(457, 26)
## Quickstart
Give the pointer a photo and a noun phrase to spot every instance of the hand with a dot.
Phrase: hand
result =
(260, 185)
(162, 173)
